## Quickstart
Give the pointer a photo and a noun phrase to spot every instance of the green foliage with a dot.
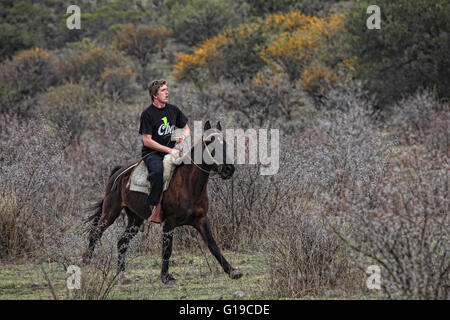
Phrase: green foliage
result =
(25, 25)
(101, 23)
(262, 7)
(141, 42)
(199, 20)
(241, 58)
(408, 52)
(12, 40)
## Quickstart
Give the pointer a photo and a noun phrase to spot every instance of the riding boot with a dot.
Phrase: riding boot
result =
(156, 216)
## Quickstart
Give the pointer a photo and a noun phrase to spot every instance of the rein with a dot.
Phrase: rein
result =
(203, 145)
(209, 153)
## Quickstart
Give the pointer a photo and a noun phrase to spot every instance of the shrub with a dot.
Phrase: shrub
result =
(102, 20)
(199, 20)
(403, 227)
(421, 118)
(385, 201)
(261, 101)
(29, 72)
(87, 60)
(284, 42)
(399, 59)
(15, 227)
(30, 159)
(415, 110)
(119, 84)
(304, 258)
(294, 49)
(316, 79)
(141, 43)
(436, 137)
(68, 107)
(263, 7)
(25, 25)
(12, 40)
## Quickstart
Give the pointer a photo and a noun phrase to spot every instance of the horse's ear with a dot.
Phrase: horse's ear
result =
(207, 126)
(219, 126)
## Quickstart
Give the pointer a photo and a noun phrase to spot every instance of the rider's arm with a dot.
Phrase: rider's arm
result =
(187, 131)
(152, 144)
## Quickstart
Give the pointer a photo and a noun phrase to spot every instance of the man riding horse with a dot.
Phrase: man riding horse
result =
(158, 123)
(185, 202)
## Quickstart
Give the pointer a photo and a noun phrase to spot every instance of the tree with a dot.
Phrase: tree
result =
(410, 51)
(141, 43)
(199, 20)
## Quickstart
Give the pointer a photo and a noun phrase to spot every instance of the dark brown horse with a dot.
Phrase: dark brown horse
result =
(185, 202)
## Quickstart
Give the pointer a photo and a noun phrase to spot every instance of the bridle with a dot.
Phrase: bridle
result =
(205, 146)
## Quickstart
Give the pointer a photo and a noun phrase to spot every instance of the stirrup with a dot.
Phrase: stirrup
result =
(156, 214)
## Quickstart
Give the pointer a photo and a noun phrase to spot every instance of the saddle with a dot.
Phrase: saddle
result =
(138, 180)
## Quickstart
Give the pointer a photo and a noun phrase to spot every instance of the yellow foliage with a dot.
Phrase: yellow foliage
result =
(315, 76)
(295, 38)
(33, 55)
(127, 74)
(200, 56)
(287, 21)
(292, 50)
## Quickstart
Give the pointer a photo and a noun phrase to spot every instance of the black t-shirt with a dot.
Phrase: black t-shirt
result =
(161, 123)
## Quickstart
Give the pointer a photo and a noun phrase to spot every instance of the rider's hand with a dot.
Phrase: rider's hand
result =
(175, 153)
(180, 139)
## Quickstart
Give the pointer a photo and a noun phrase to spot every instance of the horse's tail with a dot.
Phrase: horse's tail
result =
(99, 205)
(98, 213)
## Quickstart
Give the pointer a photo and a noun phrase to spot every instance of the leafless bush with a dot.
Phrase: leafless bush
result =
(242, 208)
(421, 118)
(415, 110)
(391, 206)
(62, 242)
(15, 227)
(436, 136)
(305, 259)
(342, 147)
(403, 227)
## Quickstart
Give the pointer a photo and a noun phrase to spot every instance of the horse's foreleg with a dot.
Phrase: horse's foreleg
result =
(134, 222)
(205, 230)
(166, 277)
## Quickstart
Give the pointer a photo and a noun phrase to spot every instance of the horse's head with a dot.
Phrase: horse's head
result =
(215, 151)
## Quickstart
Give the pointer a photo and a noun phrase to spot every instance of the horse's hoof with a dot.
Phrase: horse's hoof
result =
(235, 274)
(168, 280)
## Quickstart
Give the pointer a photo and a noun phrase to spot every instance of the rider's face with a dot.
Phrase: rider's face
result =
(162, 95)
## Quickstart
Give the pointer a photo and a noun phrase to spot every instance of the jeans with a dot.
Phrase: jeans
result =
(154, 164)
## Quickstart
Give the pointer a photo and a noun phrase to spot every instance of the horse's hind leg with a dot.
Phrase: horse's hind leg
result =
(166, 277)
(108, 213)
(134, 222)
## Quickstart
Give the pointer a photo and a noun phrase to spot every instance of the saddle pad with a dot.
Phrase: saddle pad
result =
(139, 182)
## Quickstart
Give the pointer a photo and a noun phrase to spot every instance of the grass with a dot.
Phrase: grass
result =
(21, 280)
